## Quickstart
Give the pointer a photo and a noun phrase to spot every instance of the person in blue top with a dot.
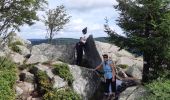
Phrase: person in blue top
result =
(109, 74)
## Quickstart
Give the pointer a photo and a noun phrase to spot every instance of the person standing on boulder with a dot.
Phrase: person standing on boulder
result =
(109, 74)
(84, 37)
(80, 47)
(79, 51)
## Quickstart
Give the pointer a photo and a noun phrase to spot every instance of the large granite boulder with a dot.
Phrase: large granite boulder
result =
(130, 61)
(36, 59)
(133, 93)
(17, 58)
(24, 50)
(58, 82)
(85, 81)
(46, 52)
(135, 72)
(91, 53)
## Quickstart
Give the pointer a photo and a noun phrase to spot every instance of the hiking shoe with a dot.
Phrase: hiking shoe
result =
(112, 94)
(106, 94)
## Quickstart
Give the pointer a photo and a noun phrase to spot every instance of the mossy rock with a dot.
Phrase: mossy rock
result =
(123, 66)
(15, 43)
(14, 46)
(44, 83)
(63, 71)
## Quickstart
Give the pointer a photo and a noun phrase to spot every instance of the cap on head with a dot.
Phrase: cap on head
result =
(84, 30)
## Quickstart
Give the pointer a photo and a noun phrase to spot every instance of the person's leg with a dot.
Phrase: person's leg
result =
(114, 89)
(77, 60)
(113, 86)
(80, 58)
(107, 83)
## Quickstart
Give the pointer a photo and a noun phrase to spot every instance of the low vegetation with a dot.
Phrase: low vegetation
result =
(64, 94)
(159, 89)
(63, 71)
(7, 79)
(124, 66)
(45, 88)
(14, 46)
(17, 43)
(44, 83)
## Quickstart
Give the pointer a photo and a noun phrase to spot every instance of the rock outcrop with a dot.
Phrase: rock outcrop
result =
(85, 80)
(95, 49)
(17, 58)
(135, 72)
(24, 50)
(91, 53)
(13, 37)
(133, 93)
(46, 52)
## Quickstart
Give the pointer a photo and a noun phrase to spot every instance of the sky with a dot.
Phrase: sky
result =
(84, 13)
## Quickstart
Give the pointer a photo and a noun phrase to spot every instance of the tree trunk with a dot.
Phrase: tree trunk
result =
(146, 66)
(51, 36)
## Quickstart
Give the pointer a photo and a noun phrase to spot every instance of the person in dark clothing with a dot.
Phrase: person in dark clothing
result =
(79, 51)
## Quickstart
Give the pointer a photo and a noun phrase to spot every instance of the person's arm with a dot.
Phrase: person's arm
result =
(113, 71)
(98, 67)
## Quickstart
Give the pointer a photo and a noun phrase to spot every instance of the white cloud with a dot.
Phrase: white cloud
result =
(85, 13)
(88, 4)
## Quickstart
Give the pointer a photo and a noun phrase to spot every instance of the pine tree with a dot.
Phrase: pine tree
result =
(146, 24)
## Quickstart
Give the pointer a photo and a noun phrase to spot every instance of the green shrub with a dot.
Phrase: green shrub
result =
(16, 49)
(7, 79)
(17, 43)
(158, 90)
(65, 94)
(63, 71)
(27, 66)
(44, 83)
(14, 46)
(124, 66)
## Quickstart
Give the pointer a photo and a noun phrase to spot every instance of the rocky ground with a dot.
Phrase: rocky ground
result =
(86, 82)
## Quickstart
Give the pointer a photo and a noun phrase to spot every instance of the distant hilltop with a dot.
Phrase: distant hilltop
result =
(61, 41)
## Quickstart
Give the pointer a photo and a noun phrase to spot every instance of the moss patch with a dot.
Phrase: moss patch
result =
(123, 66)
(14, 46)
(63, 71)
(44, 83)
(65, 94)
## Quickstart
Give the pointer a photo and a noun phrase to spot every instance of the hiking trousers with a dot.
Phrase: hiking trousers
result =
(79, 58)
(108, 83)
